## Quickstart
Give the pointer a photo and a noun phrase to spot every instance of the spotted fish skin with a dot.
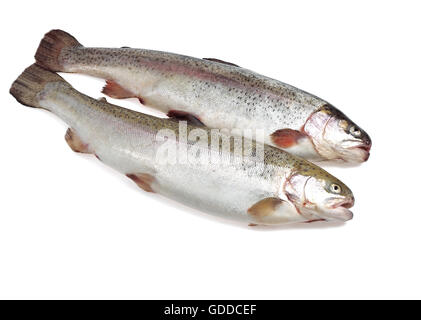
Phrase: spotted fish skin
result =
(165, 80)
(220, 95)
(128, 142)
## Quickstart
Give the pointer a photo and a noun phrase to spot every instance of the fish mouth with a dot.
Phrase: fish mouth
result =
(362, 150)
(341, 214)
(366, 151)
(340, 211)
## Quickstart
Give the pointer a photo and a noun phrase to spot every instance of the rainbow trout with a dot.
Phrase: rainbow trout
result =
(214, 93)
(275, 188)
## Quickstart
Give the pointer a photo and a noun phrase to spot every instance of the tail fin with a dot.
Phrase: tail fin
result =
(50, 47)
(30, 83)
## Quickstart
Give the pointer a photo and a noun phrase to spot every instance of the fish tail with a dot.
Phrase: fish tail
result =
(31, 82)
(50, 47)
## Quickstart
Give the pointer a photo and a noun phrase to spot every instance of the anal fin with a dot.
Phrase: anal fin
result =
(75, 142)
(182, 115)
(143, 180)
(114, 90)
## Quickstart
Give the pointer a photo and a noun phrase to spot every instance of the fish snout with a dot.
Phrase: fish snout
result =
(365, 146)
(340, 210)
(359, 152)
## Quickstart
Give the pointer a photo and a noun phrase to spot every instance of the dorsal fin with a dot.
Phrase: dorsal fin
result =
(221, 61)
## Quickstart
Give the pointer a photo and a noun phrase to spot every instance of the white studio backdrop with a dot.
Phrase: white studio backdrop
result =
(72, 228)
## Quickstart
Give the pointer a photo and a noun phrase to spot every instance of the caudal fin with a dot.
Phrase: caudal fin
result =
(50, 47)
(30, 83)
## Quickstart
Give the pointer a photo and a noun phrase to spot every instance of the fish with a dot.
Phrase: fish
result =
(266, 186)
(214, 93)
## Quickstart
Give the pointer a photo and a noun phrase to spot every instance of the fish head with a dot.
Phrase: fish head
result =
(318, 195)
(335, 136)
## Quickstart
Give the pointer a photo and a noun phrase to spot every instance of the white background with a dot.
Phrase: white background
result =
(72, 228)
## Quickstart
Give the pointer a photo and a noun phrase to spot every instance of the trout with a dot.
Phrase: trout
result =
(276, 188)
(214, 93)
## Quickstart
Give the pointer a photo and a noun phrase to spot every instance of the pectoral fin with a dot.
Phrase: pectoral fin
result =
(182, 115)
(273, 211)
(264, 208)
(286, 138)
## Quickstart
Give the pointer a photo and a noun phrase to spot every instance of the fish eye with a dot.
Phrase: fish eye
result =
(355, 131)
(335, 188)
